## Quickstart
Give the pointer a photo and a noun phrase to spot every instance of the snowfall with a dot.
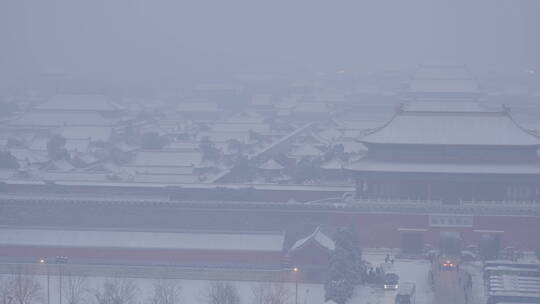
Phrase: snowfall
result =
(193, 291)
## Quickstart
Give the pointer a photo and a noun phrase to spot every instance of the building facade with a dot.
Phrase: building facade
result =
(449, 152)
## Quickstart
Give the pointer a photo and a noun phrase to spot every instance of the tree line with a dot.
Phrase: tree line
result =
(24, 287)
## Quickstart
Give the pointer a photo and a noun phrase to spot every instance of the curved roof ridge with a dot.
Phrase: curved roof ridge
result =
(324, 242)
(448, 127)
(398, 111)
(508, 113)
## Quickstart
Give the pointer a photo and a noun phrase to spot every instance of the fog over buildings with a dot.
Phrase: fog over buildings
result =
(152, 42)
(269, 152)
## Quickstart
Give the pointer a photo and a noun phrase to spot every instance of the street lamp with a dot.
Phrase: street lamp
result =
(295, 272)
(60, 260)
(43, 261)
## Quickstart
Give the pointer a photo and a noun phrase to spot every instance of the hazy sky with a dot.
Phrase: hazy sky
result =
(153, 39)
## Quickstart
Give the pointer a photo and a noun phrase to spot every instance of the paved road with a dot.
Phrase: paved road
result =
(448, 287)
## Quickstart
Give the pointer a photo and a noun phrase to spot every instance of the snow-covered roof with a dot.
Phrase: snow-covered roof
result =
(443, 86)
(61, 165)
(317, 237)
(306, 150)
(54, 119)
(189, 107)
(246, 118)
(240, 127)
(157, 170)
(217, 137)
(167, 158)
(312, 107)
(94, 133)
(330, 134)
(445, 106)
(164, 178)
(271, 165)
(333, 164)
(444, 124)
(178, 145)
(30, 156)
(139, 239)
(439, 72)
(72, 176)
(261, 100)
(78, 102)
(352, 146)
(438, 167)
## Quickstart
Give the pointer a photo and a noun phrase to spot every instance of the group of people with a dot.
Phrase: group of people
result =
(376, 275)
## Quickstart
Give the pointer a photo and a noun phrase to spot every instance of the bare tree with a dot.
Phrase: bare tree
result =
(271, 293)
(75, 290)
(166, 292)
(117, 291)
(25, 288)
(6, 291)
(221, 293)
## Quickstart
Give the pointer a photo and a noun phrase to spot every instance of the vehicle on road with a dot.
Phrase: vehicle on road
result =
(406, 293)
(449, 264)
(391, 281)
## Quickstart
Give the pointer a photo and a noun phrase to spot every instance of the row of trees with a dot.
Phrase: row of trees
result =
(25, 288)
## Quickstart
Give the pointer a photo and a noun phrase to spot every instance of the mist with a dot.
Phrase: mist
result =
(269, 152)
(163, 41)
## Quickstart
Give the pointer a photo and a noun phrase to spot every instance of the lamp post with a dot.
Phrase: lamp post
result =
(44, 262)
(60, 260)
(295, 272)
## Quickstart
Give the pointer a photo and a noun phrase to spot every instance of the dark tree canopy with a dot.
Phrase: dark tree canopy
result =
(8, 161)
(346, 267)
(56, 148)
(209, 150)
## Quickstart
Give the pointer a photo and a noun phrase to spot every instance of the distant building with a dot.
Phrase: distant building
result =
(312, 254)
(451, 152)
(440, 80)
(198, 110)
(79, 103)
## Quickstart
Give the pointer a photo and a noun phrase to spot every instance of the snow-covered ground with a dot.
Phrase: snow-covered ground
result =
(415, 271)
(193, 290)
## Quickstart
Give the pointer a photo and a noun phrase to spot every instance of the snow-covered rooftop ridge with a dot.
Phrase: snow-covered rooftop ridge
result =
(306, 150)
(444, 106)
(333, 164)
(143, 239)
(271, 165)
(318, 237)
(446, 123)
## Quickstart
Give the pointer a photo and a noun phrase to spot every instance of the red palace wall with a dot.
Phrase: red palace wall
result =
(383, 230)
